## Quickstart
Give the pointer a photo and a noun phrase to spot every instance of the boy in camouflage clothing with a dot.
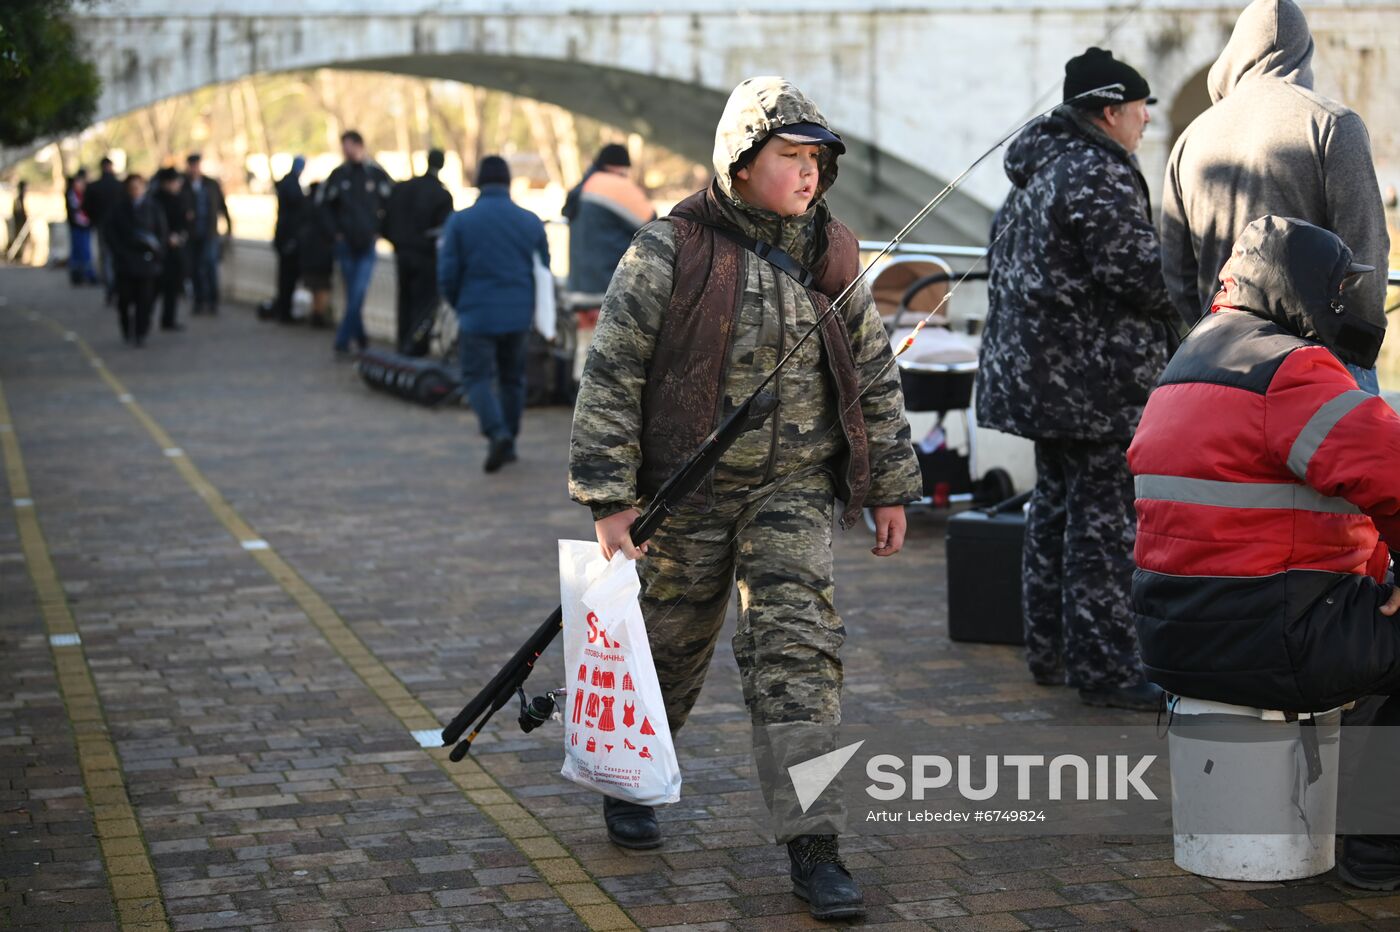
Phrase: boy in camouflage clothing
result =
(691, 324)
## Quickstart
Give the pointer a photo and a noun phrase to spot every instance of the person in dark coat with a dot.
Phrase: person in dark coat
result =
(204, 205)
(80, 270)
(413, 222)
(604, 211)
(356, 194)
(171, 284)
(138, 237)
(1079, 326)
(316, 256)
(291, 204)
(1268, 505)
(21, 242)
(486, 271)
(99, 200)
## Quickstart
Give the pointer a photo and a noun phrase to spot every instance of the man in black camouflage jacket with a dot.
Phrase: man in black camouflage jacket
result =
(1079, 328)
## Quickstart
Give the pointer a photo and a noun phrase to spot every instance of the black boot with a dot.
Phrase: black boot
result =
(1371, 862)
(500, 454)
(631, 825)
(820, 878)
(1144, 697)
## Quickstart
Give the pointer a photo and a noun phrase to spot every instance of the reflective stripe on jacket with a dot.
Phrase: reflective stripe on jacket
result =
(1267, 485)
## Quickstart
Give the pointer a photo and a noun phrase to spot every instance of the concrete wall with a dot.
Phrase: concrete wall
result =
(249, 274)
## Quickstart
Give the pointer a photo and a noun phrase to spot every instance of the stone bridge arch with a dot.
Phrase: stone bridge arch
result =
(148, 58)
(919, 90)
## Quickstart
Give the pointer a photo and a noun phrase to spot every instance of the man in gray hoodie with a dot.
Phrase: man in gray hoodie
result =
(1268, 145)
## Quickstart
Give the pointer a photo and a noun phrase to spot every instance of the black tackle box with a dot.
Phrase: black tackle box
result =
(984, 573)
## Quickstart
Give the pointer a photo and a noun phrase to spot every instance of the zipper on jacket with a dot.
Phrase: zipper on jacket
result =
(772, 469)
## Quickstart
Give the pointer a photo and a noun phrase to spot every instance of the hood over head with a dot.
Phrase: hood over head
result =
(756, 109)
(1303, 278)
(1271, 40)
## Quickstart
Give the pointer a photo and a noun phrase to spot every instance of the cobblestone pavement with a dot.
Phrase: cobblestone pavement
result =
(276, 575)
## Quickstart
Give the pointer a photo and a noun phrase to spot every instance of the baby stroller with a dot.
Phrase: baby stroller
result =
(937, 376)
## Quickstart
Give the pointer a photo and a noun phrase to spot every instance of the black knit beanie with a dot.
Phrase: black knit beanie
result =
(1097, 68)
(613, 154)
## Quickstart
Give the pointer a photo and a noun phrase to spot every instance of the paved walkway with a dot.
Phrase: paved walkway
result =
(233, 583)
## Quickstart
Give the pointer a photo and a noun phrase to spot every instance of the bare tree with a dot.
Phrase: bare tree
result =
(329, 102)
(440, 126)
(146, 122)
(253, 109)
(567, 145)
(400, 106)
(58, 165)
(505, 117)
(239, 144)
(473, 112)
(421, 114)
(540, 134)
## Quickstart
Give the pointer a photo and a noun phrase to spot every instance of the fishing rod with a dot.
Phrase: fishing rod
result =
(924, 213)
(508, 683)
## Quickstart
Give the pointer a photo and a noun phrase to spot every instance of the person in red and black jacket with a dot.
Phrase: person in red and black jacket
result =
(1268, 498)
(1267, 490)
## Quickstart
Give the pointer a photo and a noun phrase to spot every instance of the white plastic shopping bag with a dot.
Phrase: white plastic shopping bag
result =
(616, 738)
(546, 319)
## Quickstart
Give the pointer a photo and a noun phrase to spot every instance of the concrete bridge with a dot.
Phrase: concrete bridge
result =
(920, 88)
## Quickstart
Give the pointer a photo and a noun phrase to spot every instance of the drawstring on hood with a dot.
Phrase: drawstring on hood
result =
(1271, 40)
(1304, 279)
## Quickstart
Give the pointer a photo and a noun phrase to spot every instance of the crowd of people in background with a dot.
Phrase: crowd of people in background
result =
(147, 240)
(484, 262)
(153, 245)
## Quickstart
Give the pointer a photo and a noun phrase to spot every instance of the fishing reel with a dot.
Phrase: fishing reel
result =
(535, 712)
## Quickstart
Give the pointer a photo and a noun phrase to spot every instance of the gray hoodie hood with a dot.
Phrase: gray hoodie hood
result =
(1304, 279)
(1271, 40)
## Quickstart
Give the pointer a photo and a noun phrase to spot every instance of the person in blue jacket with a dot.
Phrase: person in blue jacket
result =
(486, 270)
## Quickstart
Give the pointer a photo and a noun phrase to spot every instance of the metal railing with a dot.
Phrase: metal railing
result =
(977, 252)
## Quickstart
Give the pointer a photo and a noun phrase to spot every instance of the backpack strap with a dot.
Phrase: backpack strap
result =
(769, 253)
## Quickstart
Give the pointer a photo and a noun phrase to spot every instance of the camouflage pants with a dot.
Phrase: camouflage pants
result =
(1077, 567)
(788, 637)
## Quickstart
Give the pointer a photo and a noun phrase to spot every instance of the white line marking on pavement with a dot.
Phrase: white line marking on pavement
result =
(255, 545)
(174, 451)
(65, 640)
(24, 503)
(125, 399)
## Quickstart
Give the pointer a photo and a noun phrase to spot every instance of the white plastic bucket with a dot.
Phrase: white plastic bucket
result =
(1242, 804)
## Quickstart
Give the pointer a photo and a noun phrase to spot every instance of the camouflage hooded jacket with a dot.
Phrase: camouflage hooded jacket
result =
(774, 312)
(1079, 324)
